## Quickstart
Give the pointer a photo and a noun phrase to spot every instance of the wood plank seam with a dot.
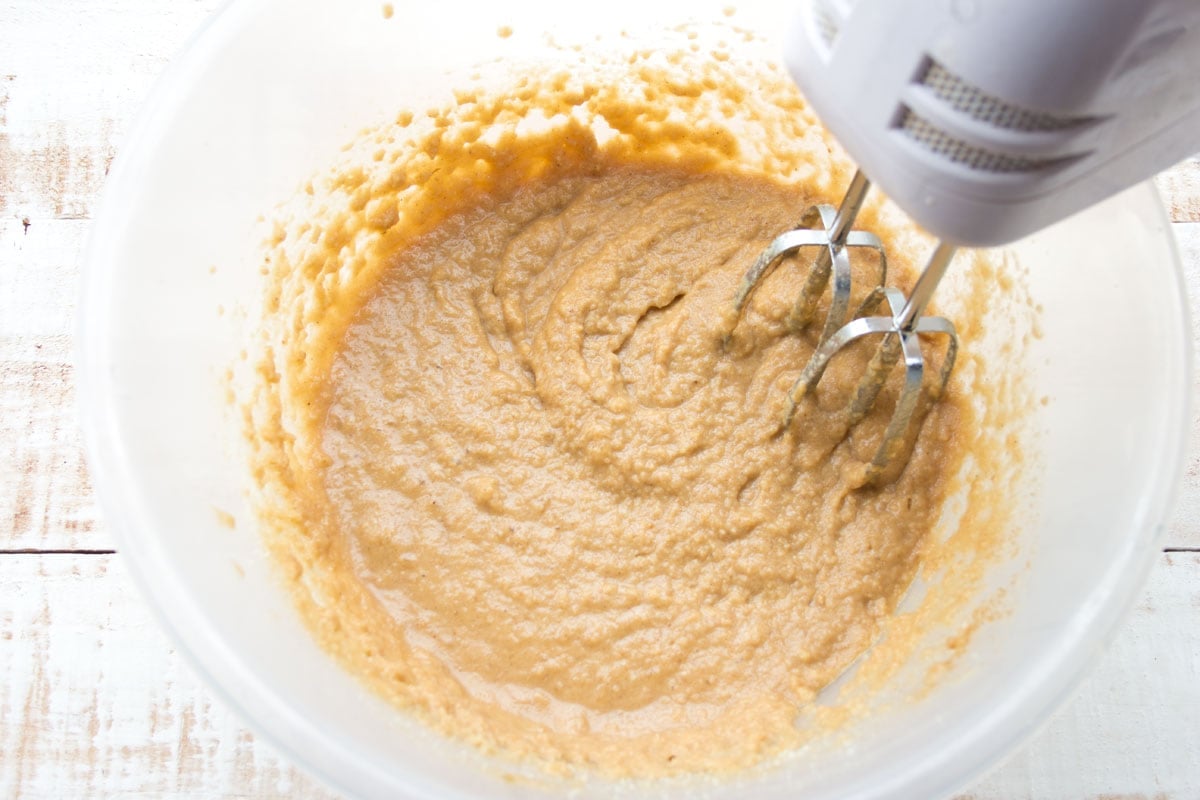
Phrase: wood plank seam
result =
(33, 551)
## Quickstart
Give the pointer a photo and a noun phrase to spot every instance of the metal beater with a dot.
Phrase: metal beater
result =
(901, 331)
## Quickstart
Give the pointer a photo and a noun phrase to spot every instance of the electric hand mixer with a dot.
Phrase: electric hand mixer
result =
(984, 120)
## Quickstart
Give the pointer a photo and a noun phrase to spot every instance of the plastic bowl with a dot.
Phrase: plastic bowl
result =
(264, 96)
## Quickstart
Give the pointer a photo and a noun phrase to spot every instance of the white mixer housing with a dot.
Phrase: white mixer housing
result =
(986, 120)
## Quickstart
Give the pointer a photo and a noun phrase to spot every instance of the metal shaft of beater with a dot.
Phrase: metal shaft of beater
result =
(856, 192)
(847, 210)
(922, 292)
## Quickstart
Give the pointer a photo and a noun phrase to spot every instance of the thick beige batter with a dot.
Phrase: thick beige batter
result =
(518, 480)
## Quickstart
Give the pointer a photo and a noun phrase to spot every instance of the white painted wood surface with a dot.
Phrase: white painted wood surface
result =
(94, 702)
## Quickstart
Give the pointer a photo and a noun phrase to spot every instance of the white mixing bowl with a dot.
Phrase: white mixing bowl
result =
(263, 97)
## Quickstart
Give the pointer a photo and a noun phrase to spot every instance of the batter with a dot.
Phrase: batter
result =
(518, 479)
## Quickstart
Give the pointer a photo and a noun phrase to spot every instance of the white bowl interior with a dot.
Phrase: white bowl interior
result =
(264, 97)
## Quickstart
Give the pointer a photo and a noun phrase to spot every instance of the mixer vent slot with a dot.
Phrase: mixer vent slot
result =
(978, 104)
(828, 17)
(972, 156)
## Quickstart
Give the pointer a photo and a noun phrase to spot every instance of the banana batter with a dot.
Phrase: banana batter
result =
(517, 478)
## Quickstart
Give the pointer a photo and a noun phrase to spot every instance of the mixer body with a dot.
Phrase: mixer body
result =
(986, 120)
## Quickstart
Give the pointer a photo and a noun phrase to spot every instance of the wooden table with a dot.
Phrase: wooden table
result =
(94, 702)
